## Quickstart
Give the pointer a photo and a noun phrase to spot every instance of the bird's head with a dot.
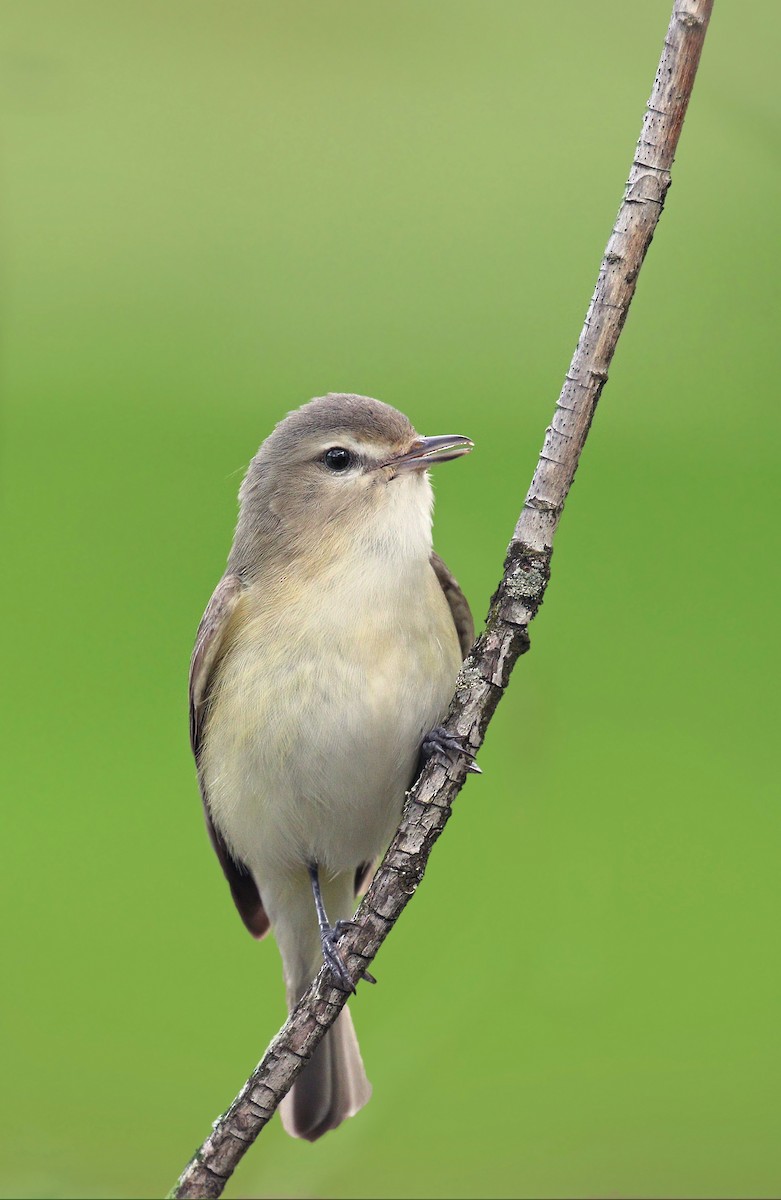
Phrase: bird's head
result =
(343, 470)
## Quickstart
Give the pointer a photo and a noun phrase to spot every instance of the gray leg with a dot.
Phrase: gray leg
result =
(329, 936)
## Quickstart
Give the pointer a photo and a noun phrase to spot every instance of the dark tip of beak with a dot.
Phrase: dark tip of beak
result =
(427, 451)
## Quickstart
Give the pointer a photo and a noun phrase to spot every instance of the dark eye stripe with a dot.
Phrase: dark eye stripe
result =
(337, 458)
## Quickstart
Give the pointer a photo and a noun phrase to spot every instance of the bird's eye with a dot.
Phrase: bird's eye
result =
(337, 458)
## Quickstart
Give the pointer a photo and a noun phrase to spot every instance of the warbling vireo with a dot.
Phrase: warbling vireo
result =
(326, 657)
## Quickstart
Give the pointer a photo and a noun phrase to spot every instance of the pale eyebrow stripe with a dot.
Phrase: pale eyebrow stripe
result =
(346, 441)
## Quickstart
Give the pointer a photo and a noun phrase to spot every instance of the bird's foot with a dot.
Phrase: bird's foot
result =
(448, 748)
(329, 936)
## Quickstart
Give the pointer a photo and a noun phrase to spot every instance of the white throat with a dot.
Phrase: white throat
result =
(398, 528)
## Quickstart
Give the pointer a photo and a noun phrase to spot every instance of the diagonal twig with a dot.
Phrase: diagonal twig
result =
(487, 669)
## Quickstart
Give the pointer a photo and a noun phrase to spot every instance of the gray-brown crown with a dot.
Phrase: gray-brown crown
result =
(341, 412)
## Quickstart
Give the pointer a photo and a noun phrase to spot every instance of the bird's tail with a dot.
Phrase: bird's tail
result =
(333, 1084)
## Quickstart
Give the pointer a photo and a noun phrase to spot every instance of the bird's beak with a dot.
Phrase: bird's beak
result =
(426, 451)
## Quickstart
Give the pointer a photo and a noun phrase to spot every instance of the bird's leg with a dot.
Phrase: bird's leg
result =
(329, 936)
(447, 747)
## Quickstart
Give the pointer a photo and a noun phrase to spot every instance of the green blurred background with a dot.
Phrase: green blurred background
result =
(212, 212)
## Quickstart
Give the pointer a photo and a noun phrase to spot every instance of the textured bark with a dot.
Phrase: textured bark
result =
(526, 573)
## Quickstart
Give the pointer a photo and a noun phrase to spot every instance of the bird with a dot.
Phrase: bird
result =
(323, 667)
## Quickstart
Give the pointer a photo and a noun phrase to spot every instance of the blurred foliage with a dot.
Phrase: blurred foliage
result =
(211, 213)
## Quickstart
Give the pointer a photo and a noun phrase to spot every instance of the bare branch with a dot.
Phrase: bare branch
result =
(515, 603)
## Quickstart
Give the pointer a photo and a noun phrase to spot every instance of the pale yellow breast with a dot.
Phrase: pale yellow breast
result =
(319, 708)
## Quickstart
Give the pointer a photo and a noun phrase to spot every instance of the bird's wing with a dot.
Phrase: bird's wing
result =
(459, 606)
(363, 876)
(209, 645)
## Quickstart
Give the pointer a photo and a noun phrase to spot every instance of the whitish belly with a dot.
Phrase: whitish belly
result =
(310, 747)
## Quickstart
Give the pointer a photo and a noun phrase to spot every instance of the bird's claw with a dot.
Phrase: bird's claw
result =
(448, 747)
(333, 960)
